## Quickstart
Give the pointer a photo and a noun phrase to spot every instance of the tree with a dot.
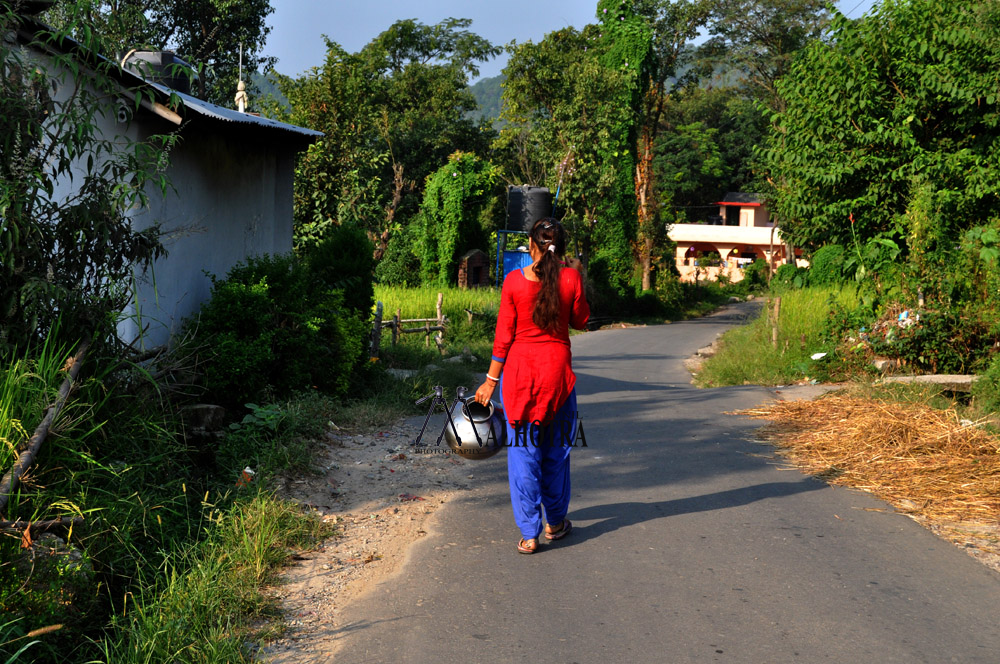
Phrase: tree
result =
(761, 37)
(627, 39)
(209, 34)
(704, 149)
(454, 196)
(891, 128)
(574, 98)
(559, 113)
(392, 113)
(67, 256)
(673, 24)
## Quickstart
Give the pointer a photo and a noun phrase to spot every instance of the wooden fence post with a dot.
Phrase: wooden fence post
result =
(395, 326)
(439, 337)
(774, 330)
(376, 332)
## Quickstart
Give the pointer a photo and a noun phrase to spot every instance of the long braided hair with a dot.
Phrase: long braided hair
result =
(549, 236)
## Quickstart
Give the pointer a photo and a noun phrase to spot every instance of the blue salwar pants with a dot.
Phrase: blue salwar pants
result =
(538, 469)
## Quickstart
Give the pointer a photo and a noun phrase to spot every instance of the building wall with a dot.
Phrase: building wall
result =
(230, 200)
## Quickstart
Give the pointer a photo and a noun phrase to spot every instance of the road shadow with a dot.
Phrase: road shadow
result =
(613, 516)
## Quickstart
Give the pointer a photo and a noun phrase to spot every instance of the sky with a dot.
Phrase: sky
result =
(298, 26)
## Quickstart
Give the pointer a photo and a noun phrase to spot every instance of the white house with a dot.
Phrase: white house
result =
(742, 232)
(231, 197)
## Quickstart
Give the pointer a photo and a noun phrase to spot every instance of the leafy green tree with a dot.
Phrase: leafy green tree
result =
(559, 119)
(627, 38)
(209, 34)
(704, 149)
(760, 37)
(674, 24)
(67, 246)
(390, 113)
(890, 130)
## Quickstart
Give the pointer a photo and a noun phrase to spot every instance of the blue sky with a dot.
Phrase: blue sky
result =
(298, 26)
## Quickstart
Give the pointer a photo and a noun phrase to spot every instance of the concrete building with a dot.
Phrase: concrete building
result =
(742, 232)
(230, 174)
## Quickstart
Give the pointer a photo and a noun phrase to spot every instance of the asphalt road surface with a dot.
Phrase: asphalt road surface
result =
(689, 545)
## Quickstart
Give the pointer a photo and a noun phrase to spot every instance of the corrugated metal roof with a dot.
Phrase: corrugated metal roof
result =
(210, 110)
(129, 80)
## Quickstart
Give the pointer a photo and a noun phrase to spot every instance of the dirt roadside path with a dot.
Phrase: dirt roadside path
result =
(382, 497)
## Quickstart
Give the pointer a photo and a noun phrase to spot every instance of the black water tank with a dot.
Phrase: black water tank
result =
(163, 67)
(526, 205)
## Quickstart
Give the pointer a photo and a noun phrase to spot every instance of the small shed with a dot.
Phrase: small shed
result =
(231, 175)
(473, 269)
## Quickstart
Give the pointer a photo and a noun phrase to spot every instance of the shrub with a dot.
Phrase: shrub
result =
(648, 304)
(272, 328)
(788, 276)
(344, 261)
(986, 388)
(755, 275)
(939, 342)
(399, 265)
(827, 266)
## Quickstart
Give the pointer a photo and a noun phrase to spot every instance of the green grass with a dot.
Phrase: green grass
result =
(460, 334)
(748, 357)
(27, 387)
(210, 601)
(421, 302)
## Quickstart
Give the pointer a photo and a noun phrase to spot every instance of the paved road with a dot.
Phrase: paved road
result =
(689, 546)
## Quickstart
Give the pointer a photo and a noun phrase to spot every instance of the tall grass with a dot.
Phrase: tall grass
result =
(420, 301)
(747, 354)
(210, 601)
(460, 334)
(27, 386)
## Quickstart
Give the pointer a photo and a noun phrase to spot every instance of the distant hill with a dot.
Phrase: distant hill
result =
(488, 92)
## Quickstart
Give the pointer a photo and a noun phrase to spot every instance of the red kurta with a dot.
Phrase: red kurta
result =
(538, 373)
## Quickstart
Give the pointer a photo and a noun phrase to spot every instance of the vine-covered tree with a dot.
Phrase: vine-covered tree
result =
(627, 38)
(455, 196)
(391, 113)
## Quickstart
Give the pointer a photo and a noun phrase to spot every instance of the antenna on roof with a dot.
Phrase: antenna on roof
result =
(241, 88)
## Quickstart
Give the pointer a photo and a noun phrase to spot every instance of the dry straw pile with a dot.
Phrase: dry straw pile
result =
(925, 462)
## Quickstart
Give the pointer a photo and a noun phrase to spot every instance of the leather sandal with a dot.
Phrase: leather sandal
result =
(527, 546)
(562, 531)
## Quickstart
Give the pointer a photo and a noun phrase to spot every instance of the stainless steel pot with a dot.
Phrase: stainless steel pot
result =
(470, 419)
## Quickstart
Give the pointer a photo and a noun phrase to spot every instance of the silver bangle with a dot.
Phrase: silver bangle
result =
(495, 380)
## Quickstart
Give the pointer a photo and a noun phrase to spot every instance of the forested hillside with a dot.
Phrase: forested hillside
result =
(488, 93)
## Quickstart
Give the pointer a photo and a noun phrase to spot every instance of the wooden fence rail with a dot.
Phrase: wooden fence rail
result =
(396, 325)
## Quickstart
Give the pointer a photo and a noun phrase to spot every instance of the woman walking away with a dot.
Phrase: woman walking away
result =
(532, 365)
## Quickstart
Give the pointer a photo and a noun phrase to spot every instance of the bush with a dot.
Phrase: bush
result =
(755, 275)
(787, 277)
(344, 261)
(939, 342)
(827, 266)
(647, 304)
(272, 328)
(986, 388)
(399, 265)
